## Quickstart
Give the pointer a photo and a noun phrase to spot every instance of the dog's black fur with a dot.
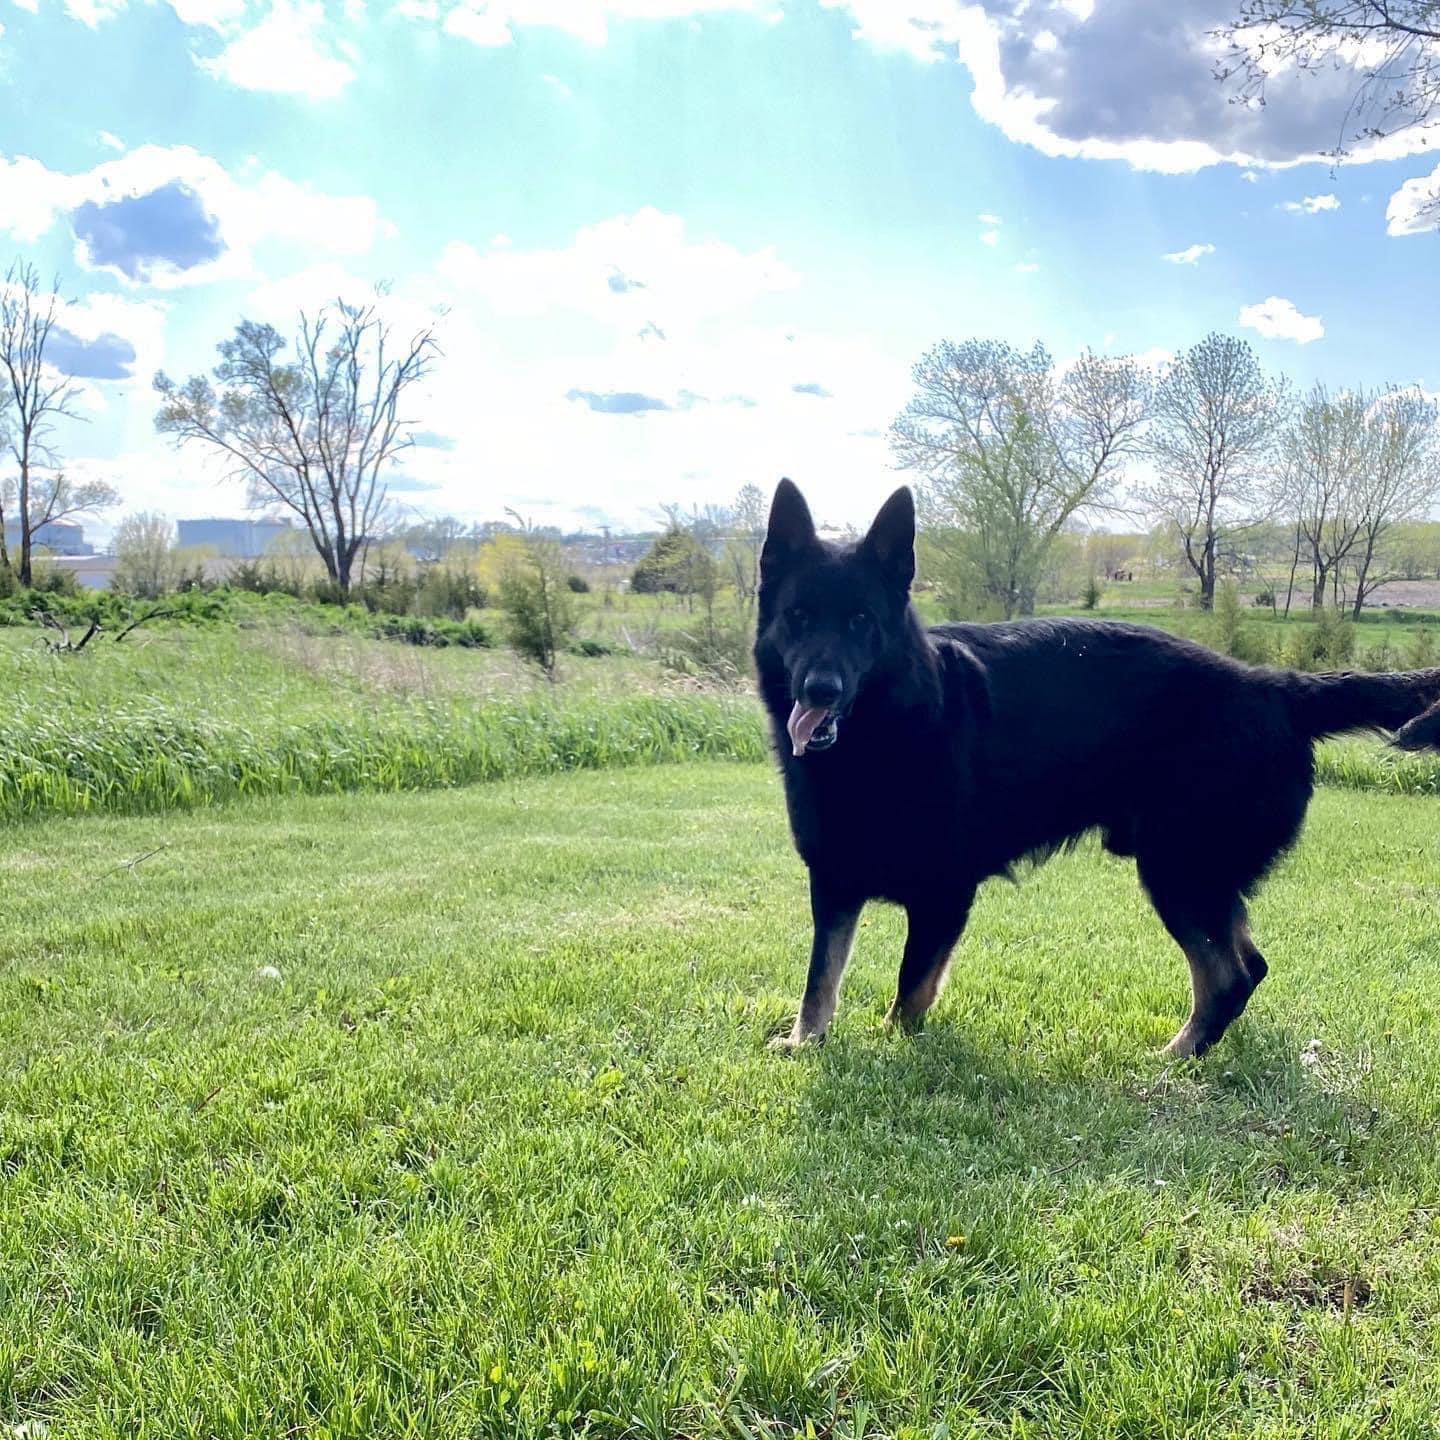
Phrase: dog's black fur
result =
(949, 754)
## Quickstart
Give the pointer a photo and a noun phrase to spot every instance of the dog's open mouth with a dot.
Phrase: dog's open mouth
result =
(812, 727)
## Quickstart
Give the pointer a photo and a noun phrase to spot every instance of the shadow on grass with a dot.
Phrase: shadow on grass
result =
(1266, 1110)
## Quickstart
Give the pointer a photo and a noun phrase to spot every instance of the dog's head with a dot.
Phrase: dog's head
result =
(829, 615)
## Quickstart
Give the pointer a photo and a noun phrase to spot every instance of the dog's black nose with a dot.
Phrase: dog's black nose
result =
(822, 689)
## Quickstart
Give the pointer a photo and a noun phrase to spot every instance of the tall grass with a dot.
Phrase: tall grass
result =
(151, 755)
(196, 716)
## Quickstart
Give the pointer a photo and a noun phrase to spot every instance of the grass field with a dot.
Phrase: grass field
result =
(451, 1115)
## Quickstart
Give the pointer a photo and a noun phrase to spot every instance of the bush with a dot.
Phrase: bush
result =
(718, 650)
(578, 584)
(1421, 655)
(454, 593)
(1090, 597)
(676, 563)
(1265, 600)
(1230, 635)
(1328, 644)
(540, 610)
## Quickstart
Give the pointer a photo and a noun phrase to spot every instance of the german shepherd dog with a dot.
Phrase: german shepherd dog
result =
(918, 763)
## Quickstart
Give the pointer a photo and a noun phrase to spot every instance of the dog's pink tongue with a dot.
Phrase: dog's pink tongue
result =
(804, 721)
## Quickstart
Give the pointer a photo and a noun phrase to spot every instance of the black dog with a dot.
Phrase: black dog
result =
(917, 762)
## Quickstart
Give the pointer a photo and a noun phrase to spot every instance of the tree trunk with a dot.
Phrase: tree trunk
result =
(24, 572)
(1294, 566)
(1207, 575)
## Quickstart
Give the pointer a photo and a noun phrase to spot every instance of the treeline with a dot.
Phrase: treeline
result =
(1010, 453)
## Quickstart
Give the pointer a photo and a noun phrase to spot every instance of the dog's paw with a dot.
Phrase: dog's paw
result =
(900, 1022)
(793, 1042)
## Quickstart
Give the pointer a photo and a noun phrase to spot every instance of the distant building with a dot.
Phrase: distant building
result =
(239, 539)
(57, 537)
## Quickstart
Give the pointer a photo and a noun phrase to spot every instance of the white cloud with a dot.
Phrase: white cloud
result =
(1026, 267)
(494, 22)
(989, 219)
(1190, 255)
(1250, 176)
(287, 53)
(140, 322)
(268, 208)
(1415, 207)
(990, 237)
(109, 141)
(92, 12)
(1313, 204)
(696, 341)
(217, 14)
(1129, 80)
(1278, 319)
(559, 86)
(627, 270)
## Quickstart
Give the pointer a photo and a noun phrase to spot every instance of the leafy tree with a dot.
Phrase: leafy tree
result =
(675, 564)
(539, 606)
(1006, 452)
(1215, 419)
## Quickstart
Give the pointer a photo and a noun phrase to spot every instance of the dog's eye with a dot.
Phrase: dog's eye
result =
(859, 620)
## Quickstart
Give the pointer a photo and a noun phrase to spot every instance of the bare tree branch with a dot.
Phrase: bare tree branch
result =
(318, 434)
(37, 395)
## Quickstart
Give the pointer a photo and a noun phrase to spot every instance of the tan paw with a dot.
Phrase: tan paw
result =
(794, 1042)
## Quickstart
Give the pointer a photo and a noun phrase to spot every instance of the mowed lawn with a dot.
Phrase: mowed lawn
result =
(452, 1115)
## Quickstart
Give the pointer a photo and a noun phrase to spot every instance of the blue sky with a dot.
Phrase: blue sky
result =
(679, 245)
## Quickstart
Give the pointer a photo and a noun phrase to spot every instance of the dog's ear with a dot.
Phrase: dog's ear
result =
(890, 541)
(790, 532)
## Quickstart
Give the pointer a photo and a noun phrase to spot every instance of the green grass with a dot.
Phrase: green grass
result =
(191, 717)
(451, 1115)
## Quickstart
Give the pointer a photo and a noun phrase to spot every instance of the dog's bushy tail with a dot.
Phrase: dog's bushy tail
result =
(1408, 705)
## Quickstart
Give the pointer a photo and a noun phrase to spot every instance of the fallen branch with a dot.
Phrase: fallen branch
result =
(138, 860)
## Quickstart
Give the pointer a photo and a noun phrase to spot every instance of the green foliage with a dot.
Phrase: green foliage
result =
(1092, 593)
(1421, 655)
(1326, 644)
(1230, 635)
(539, 608)
(717, 649)
(577, 584)
(157, 723)
(675, 564)
(451, 592)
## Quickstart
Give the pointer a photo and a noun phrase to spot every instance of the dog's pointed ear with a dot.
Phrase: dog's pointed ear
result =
(890, 540)
(790, 531)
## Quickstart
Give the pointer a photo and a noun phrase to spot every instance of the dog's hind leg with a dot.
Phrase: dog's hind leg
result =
(934, 929)
(835, 918)
(1225, 966)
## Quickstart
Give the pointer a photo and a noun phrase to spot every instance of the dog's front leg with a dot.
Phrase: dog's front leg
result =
(835, 915)
(935, 926)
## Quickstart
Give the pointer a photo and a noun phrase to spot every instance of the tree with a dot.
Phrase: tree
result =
(1401, 480)
(747, 539)
(1324, 449)
(1215, 419)
(676, 564)
(1006, 452)
(36, 395)
(539, 606)
(319, 433)
(147, 564)
(1392, 45)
